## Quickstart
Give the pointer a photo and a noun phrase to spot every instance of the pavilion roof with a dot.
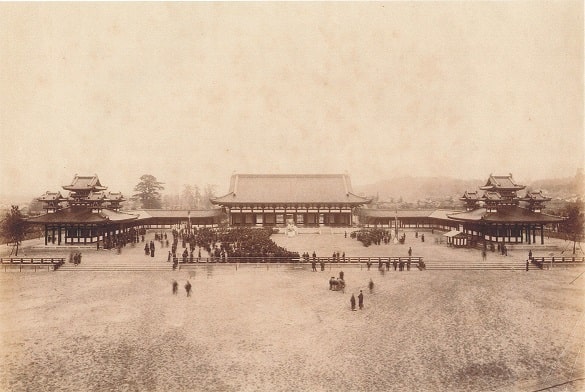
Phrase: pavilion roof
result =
(81, 215)
(535, 196)
(85, 183)
(492, 195)
(470, 195)
(505, 214)
(501, 182)
(160, 213)
(391, 213)
(290, 188)
(51, 196)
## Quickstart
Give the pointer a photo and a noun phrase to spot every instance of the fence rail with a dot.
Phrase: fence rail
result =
(552, 261)
(35, 262)
(416, 261)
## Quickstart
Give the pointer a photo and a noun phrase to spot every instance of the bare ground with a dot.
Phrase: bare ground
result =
(279, 328)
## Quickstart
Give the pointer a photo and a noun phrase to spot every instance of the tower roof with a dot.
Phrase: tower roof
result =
(85, 183)
(497, 183)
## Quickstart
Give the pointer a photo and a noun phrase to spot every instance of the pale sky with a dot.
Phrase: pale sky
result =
(192, 92)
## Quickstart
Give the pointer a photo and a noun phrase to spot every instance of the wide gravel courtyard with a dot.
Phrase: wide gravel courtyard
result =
(279, 328)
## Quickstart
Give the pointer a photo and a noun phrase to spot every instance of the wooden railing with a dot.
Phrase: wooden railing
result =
(556, 261)
(34, 262)
(373, 261)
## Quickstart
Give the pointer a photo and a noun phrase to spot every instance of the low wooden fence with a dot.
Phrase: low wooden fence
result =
(372, 261)
(32, 262)
(555, 261)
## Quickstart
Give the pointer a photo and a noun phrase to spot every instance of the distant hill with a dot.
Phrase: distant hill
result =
(411, 189)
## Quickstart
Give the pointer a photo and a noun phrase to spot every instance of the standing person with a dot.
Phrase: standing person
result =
(409, 251)
(530, 254)
(371, 286)
(188, 288)
(314, 265)
(352, 302)
(527, 264)
(175, 287)
(361, 300)
(322, 265)
(483, 254)
(422, 237)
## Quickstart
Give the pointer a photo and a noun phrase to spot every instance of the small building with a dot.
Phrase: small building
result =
(90, 214)
(87, 215)
(501, 216)
(301, 199)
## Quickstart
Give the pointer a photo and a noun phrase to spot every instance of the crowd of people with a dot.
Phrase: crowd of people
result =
(372, 236)
(220, 244)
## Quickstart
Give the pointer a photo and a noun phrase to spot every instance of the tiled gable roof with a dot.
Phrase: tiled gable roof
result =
(85, 183)
(501, 182)
(290, 188)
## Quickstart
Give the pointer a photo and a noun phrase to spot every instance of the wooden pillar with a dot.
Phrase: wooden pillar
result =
(46, 234)
(528, 234)
(86, 229)
(534, 234)
(59, 234)
(541, 234)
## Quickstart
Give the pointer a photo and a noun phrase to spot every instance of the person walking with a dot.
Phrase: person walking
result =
(188, 288)
(352, 302)
(361, 300)
(409, 251)
(175, 287)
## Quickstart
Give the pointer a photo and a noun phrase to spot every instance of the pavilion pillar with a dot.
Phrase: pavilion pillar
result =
(59, 235)
(541, 234)
(534, 234)
(53, 235)
(46, 234)
(528, 234)
(86, 231)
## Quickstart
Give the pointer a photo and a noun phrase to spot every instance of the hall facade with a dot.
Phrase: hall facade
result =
(303, 200)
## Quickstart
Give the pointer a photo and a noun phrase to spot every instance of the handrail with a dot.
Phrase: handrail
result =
(274, 259)
(31, 260)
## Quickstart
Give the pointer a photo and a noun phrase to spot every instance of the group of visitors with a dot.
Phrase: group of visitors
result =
(187, 288)
(75, 258)
(149, 248)
(222, 244)
(360, 301)
(120, 240)
(371, 236)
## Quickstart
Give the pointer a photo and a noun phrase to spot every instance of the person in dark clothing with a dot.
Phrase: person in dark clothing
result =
(409, 251)
(361, 300)
(175, 287)
(371, 286)
(188, 288)
(527, 264)
(352, 302)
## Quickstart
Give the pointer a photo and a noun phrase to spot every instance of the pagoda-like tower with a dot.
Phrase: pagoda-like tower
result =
(535, 200)
(501, 190)
(52, 201)
(471, 200)
(86, 191)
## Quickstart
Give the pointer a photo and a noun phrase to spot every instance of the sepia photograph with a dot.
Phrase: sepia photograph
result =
(292, 196)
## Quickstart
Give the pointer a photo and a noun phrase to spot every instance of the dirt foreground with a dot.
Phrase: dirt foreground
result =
(279, 328)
